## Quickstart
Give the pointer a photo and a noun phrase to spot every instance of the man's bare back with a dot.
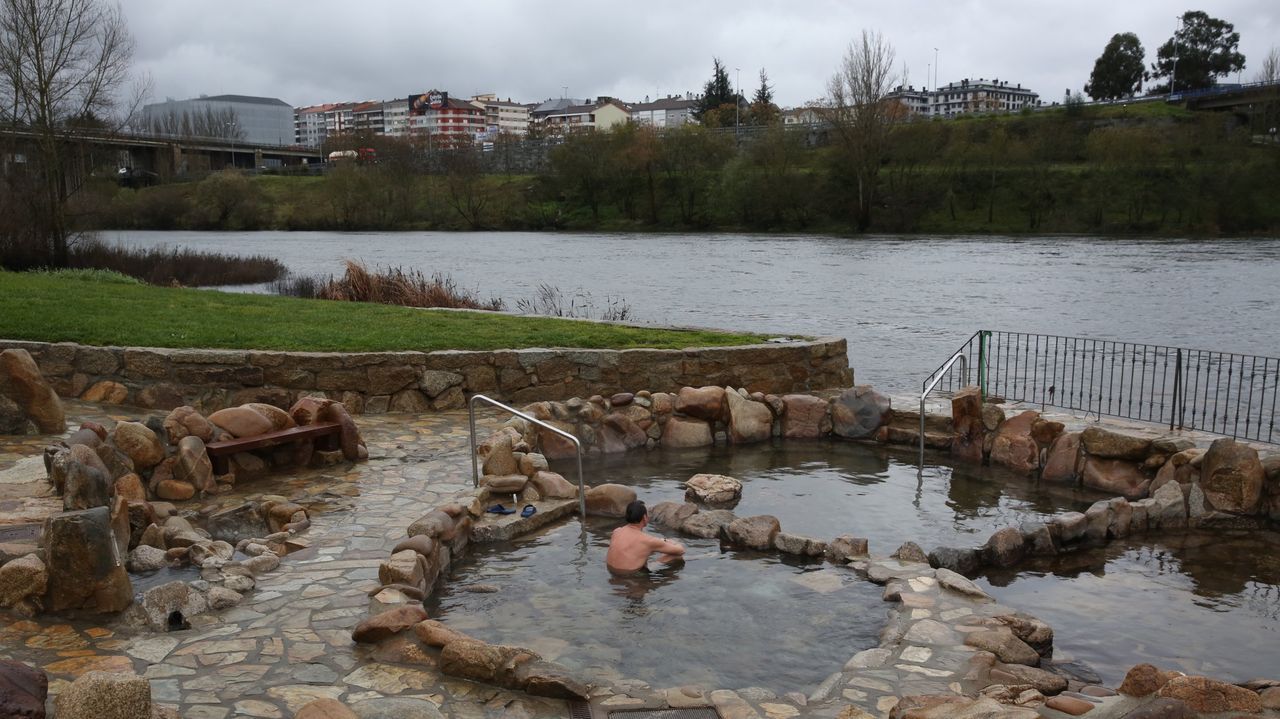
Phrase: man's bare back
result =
(630, 546)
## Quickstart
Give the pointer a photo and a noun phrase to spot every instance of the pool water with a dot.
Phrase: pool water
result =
(1199, 603)
(823, 489)
(725, 619)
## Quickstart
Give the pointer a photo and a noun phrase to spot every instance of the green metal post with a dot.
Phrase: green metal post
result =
(983, 336)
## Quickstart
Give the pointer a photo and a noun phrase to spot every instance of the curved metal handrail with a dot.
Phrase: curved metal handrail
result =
(475, 465)
(930, 384)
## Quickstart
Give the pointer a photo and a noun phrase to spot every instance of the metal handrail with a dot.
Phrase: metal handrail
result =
(475, 465)
(931, 384)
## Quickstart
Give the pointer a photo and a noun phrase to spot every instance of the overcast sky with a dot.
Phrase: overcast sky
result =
(328, 51)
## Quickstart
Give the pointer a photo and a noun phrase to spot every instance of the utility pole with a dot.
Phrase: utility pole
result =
(935, 69)
(1173, 74)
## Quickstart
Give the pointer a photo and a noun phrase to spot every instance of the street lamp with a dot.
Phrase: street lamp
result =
(935, 69)
(737, 98)
(230, 125)
(1173, 74)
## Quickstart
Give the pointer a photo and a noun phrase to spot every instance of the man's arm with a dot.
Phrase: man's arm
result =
(665, 546)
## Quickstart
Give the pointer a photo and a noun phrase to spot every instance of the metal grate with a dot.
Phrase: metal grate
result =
(579, 710)
(698, 713)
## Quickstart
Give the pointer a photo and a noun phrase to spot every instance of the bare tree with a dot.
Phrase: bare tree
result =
(861, 118)
(63, 66)
(198, 123)
(1270, 69)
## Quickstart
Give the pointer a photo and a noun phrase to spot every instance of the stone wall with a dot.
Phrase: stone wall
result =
(418, 381)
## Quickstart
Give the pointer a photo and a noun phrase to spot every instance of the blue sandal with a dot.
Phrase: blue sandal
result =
(528, 511)
(499, 509)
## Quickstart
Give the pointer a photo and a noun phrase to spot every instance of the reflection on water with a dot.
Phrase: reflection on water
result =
(1200, 603)
(823, 489)
(722, 619)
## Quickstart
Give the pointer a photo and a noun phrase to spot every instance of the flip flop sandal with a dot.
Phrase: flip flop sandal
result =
(499, 509)
(528, 511)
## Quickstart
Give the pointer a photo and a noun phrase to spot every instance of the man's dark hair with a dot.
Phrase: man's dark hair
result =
(636, 511)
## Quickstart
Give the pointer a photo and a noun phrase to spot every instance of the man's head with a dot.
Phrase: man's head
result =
(636, 512)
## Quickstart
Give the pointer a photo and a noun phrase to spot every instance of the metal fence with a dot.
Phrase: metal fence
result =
(1220, 392)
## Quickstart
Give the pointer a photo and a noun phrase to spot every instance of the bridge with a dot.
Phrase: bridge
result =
(167, 156)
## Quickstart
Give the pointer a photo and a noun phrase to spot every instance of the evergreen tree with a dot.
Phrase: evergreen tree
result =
(1117, 73)
(763, 111)
(1202, 50)
(716, 95)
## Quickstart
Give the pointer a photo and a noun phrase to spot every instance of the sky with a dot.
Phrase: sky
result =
(530, 50)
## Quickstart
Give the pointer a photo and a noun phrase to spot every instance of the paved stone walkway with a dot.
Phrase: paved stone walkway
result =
(290, 640)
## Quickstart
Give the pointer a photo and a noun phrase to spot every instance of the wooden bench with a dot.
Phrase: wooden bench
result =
(326, 432)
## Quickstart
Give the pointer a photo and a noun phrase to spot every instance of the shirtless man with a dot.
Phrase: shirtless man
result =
(630, 546)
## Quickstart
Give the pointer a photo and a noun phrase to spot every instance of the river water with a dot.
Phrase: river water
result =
(904, 303)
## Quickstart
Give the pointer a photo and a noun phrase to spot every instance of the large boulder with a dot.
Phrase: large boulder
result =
(1005, 548)
(23, 690)
(1202, 694)
(498, 457)
(968, 428)
(193, 465)
(1062, 464)
(621, 433)
(705, 403)
(478, 661)
(139, 444)
(21, 381)
(671, 514)
(805, 416)
(753, 532)
(707, 525)
(22, 581)
(85, 569)
(749, 420)
(1144, 679)
(105, 695)
(185, 421)
(551, 485)
(1101, 442)
(1115, 476)
(716, 489)
(609, 500)
(1232, 477)
(86, 480)
(13, 420)
(541, 678)
(241, 422)
(680, 432)
(1007, 647)
(279, 418)
(1169, 508)
(858, 412)
(388, 624)
(1014, 447)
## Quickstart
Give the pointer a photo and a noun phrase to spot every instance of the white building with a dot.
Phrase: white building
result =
(800, 116)
(502, 116)
(665, 112)
(980, 95)
(395, 118)
(309, 126)
(916, 102)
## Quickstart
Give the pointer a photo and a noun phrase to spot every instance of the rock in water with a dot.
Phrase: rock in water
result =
(1232, 477)
(85, 571)
(858, 412)
(712, 489)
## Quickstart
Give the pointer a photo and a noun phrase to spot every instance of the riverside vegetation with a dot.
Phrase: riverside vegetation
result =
(1141, 169)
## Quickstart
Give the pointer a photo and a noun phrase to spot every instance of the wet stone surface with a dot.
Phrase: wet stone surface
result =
(289, 642)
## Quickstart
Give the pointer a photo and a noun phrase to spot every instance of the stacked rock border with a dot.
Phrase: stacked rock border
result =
(119, 490)
(378, 382)
(954, 651)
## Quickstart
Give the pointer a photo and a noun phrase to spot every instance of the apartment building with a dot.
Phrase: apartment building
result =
(438, 116)
(670, 111)
(367, 117)
(980, 95)
(800, 116)
(916, 102)
(309, 125)
(502, 116)
(602, 114)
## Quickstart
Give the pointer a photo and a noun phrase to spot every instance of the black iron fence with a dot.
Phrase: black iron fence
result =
(1220, 392)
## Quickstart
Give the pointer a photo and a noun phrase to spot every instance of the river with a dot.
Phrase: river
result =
(904, 303)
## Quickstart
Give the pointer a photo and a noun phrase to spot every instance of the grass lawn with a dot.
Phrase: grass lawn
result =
(96, 308)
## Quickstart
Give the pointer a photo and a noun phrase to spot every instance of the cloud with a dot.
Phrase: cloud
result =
(325, 51)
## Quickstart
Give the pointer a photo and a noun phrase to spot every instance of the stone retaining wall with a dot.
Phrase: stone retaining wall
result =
(416, 381)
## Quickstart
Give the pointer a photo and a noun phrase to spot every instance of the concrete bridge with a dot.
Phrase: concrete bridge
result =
(165, 156)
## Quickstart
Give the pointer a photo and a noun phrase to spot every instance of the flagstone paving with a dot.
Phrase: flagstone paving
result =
(290, 641)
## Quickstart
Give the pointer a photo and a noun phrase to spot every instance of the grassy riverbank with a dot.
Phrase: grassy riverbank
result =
(108, 309)
(1149, 169)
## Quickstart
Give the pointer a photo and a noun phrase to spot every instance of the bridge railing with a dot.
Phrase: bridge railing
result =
(1225, 393)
